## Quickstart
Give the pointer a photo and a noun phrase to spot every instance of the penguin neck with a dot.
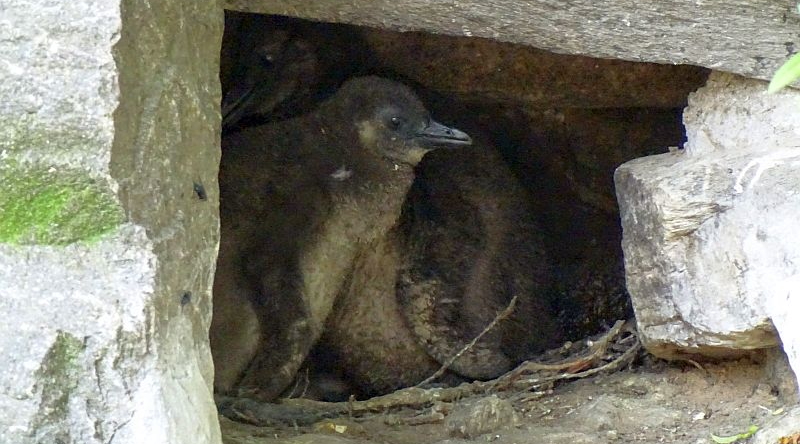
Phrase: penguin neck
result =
(366, 206)
(374, 188)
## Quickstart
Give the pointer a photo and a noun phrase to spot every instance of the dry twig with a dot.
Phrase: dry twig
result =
(500, 316)
(516, 379)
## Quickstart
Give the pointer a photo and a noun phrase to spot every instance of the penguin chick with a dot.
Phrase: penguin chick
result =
(299, 201)
(465, 244)
(272, 67)
(278, 66)
(471, 244)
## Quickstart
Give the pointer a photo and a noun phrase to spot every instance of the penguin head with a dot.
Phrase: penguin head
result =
(391, 121)
(271, 76)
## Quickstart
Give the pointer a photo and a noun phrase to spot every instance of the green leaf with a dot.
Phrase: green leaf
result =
(785, 75)
(729, 439)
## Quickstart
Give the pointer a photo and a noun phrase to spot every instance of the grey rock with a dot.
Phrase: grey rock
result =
(318, 438)
(784, 426)
(599, 415)
(709, 232)
(483, 416)
(607, 411)
(748, 37)
(106, 248)
(778, 372)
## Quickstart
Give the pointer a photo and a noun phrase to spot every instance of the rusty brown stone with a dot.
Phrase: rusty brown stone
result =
(476, 69)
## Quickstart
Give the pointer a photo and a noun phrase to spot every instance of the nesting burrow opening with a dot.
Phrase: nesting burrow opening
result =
(561, 123)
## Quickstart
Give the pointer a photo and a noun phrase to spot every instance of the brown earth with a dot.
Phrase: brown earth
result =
(652, 401)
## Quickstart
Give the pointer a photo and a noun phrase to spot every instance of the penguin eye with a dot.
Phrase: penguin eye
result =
(267, 58)
(396, 122)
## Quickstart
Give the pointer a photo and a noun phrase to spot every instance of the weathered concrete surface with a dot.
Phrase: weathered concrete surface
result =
(710, 232)
(481, 70)
(749, 37)
(106, 248)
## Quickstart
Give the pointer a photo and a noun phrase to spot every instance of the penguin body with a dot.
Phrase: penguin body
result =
(300, 199)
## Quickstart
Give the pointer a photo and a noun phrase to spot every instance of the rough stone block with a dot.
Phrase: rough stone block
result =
(109, 147)
(783, 429)
(710, 232)
(748, 37)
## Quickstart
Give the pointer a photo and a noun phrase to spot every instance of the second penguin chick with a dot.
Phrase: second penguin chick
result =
(466, 243)
(471, 245)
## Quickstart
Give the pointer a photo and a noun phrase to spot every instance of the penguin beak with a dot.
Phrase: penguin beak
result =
(437, 134)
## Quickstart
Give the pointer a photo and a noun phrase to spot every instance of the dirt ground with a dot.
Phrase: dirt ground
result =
(651, 401)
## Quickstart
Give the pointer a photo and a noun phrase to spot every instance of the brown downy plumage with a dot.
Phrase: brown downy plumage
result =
(300, 200)
(467, 242)
(471, 244)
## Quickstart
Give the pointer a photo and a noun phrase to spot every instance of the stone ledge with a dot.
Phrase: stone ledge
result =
(748, 37)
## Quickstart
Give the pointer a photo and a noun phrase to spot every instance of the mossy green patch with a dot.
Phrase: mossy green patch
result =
(58, 378)
(54, 208)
